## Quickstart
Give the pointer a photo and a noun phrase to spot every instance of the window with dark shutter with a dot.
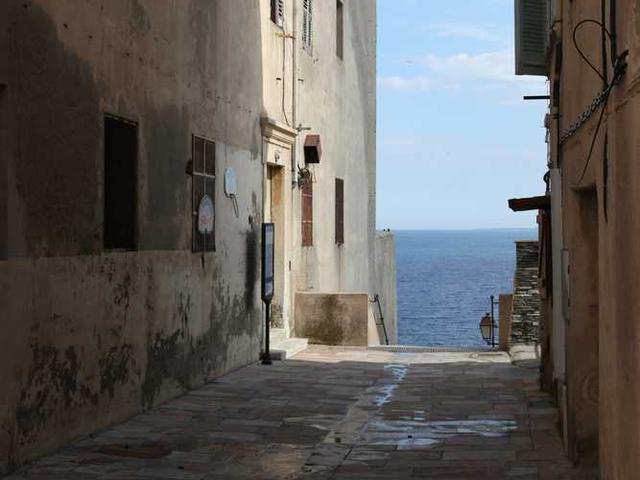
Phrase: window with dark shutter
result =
(120, 183)
(307, 25)
(307, 214)
(339, 211)
(277, 12)
(203, 194)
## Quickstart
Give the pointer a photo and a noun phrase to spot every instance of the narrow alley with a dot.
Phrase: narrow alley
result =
(339, 413)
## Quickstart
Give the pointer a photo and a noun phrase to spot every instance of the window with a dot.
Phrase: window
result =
(307, 213)
(532, 36)
(307, 25)
(339, 29)
(277, 12)
(339, 211)
(203, 194)
(120, 183)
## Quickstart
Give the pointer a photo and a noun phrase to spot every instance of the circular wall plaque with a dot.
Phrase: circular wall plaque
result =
(205, 215)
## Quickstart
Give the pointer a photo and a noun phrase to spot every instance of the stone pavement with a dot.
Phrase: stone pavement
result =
(337, 413)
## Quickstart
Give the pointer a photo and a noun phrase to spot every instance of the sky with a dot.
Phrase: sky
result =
(455, 139)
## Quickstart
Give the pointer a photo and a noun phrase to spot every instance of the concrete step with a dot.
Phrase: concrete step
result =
(283, 347)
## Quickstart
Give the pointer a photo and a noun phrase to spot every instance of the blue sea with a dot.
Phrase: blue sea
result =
(446, 278)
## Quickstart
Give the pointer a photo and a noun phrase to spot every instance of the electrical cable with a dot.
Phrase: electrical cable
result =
(593, 141)
(619, 69)
(579, 50)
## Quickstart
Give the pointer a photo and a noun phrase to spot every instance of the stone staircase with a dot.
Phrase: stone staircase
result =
(283, 347)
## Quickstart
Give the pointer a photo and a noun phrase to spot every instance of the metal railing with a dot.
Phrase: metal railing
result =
(376, 300)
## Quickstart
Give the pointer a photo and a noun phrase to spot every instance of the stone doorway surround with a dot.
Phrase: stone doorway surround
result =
(278, 145)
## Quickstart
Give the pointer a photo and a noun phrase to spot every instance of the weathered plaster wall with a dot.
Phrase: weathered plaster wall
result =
(525, 317)
(601, 305)
(333, 318)
(386, 282)
(619, 265)
(336, 99)
(346, 89)
(91, 337)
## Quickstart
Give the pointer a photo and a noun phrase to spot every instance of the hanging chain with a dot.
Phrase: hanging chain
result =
(619, 70)
(586, 115)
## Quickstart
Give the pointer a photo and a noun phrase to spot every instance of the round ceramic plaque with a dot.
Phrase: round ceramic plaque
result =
(205, 215)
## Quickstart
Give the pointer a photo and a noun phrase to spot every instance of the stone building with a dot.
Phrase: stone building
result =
(590, 51)
(525, 316)
(143, 143)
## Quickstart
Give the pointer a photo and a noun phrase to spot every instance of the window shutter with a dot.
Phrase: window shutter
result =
(307, 214)
(310, 26)
(277, 12)
(532, 36)
(307, 25)
(339, 211)
(305, 16)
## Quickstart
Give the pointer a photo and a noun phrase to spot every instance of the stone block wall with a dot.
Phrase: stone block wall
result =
(525, 321)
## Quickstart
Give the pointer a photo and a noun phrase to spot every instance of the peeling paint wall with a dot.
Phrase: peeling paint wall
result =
(91, 337)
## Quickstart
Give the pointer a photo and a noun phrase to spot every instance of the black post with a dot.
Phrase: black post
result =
(493, 324)
(268, 241)
(266, 358)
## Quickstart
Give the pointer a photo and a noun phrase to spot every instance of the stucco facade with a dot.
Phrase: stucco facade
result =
(312, 91)
(93, 335)
(594, 328)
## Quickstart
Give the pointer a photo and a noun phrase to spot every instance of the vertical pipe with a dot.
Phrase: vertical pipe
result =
(266, 359)
(493, 324)
(294, 93)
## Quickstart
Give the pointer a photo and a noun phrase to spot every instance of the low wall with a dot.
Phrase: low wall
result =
(525, 321)
(386, 284)
(333, 318)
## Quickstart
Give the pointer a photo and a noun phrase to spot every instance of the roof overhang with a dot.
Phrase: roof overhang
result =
(542, 202)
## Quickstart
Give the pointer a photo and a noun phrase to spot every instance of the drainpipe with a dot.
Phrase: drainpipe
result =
(294, 93)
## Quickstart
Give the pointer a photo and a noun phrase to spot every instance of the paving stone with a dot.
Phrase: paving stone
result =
(338, 414)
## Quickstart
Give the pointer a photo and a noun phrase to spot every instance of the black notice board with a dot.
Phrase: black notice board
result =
(268, 244)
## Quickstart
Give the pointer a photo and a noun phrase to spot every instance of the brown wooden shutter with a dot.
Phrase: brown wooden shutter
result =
(339, 211)
(307, 214)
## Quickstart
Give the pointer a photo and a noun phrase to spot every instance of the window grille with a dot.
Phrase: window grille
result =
(203, 188)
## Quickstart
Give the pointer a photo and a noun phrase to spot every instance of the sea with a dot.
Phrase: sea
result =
(446, 279)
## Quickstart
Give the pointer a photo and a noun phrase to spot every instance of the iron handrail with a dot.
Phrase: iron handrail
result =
(376, 299)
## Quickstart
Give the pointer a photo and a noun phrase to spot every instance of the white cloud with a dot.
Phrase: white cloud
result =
(489, 71)
(459, 30)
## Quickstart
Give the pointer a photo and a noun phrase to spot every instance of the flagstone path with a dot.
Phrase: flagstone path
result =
(338, 413)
